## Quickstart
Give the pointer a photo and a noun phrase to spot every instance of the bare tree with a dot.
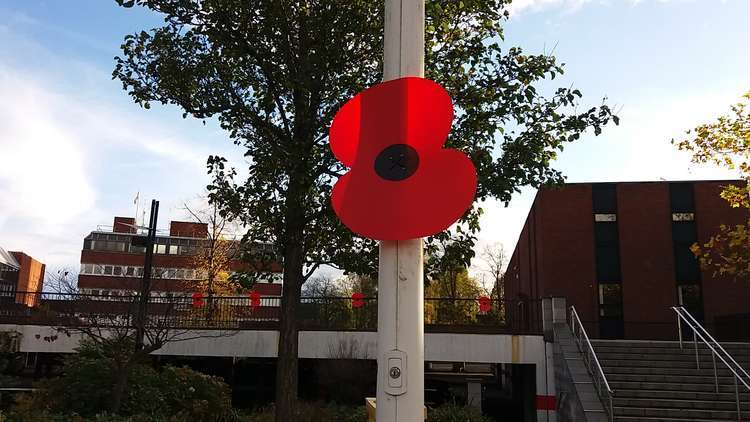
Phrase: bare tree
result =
(215, 255)
(113, 324)
(62, 281)
(494, 259)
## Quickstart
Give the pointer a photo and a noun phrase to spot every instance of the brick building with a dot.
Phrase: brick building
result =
(112, 265)
(620, 253)
(20, 273)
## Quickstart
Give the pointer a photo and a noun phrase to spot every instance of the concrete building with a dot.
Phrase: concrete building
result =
(619, 252)
(20, 273)
(112, 265)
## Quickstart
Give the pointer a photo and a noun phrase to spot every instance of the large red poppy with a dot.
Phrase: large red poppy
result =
(402, 184)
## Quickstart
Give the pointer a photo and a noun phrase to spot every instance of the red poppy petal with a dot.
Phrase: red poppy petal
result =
(413, 111)
(428, 202)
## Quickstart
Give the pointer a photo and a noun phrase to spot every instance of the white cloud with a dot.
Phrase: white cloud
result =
(42, 166)
(525, 6)
(519, 6)
(69, 162)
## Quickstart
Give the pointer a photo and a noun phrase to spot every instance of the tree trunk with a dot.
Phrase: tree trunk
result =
(287, 364)
(121, 384)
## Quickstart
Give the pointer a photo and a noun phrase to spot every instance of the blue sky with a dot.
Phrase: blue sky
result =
(74, 150)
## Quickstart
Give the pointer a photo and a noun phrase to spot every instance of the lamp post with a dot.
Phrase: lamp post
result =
(400, 389)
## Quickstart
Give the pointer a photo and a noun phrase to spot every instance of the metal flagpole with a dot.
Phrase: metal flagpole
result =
(400, 393)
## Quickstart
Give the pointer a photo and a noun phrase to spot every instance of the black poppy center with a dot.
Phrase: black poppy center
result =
(396, 162)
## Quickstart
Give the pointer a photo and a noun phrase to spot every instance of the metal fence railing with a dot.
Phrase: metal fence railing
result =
(243, 312)
(741, 377)
(594, 368)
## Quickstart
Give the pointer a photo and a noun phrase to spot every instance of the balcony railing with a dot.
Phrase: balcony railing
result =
(241, 313)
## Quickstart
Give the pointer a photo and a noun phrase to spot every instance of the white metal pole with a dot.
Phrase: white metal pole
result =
(400, 393)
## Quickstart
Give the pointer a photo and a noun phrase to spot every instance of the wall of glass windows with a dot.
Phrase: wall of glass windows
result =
(122, 243)
(136, 271)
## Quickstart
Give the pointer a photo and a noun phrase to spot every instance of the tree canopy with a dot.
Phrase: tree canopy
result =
(726, 142)
(273, 73)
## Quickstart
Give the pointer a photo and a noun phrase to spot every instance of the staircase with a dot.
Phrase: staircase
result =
(658, 381)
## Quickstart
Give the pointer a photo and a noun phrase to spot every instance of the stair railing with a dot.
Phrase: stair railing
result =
(699, 332)
(605, 392)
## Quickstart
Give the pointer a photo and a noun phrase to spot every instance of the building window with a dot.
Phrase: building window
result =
(160, 249)
(130, 271)
(180, 274)
(107, 270)
(690, 297)
(604, 198)
(687, 268)
(684, 232)
(117, 270)
(137, 249)
(610, 300)
(139, 272)
(173, 249)
(681, 197)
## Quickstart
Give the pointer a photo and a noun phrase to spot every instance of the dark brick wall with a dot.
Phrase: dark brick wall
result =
(721, 295)
(124, 225)
(188, 229)
(565, 247)
(647, 259)
(555, 255)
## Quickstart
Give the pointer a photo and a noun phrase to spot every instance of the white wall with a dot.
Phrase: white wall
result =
(487, 348)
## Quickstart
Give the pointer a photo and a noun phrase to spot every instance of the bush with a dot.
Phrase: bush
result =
(455, 413)
(86, 387)
(195, 396)
(315, 412)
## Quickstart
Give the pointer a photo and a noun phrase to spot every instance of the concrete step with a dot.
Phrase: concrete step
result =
(679, 404)
(606, 363)
(646, 419)
(709, 371)
(671, 386)
(677, 356)
(743, 353)
(690, 414)
(680, 395)
(660, 343)
(688, 379)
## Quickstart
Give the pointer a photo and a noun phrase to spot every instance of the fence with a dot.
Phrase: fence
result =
(242, 312)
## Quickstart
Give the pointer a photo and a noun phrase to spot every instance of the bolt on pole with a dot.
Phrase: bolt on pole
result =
(400, 390)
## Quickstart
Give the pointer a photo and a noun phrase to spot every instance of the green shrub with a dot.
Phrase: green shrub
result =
(314, 412)
(455, 413)
(86, 387)
(195, 396)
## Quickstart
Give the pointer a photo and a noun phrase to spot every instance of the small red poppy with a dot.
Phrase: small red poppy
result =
(197, 300)
(358, 300)
(485, 305)
(254, 299)
(402, 184)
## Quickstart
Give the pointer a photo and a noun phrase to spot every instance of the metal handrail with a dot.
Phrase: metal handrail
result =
(589, 356)
(694, 325)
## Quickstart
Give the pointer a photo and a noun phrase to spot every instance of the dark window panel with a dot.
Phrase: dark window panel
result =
(691, 297)
(610, 294)
(604, 196)
(606, 233)
(684, 232)
(607, 263)
(681, 197)
(687, 269)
